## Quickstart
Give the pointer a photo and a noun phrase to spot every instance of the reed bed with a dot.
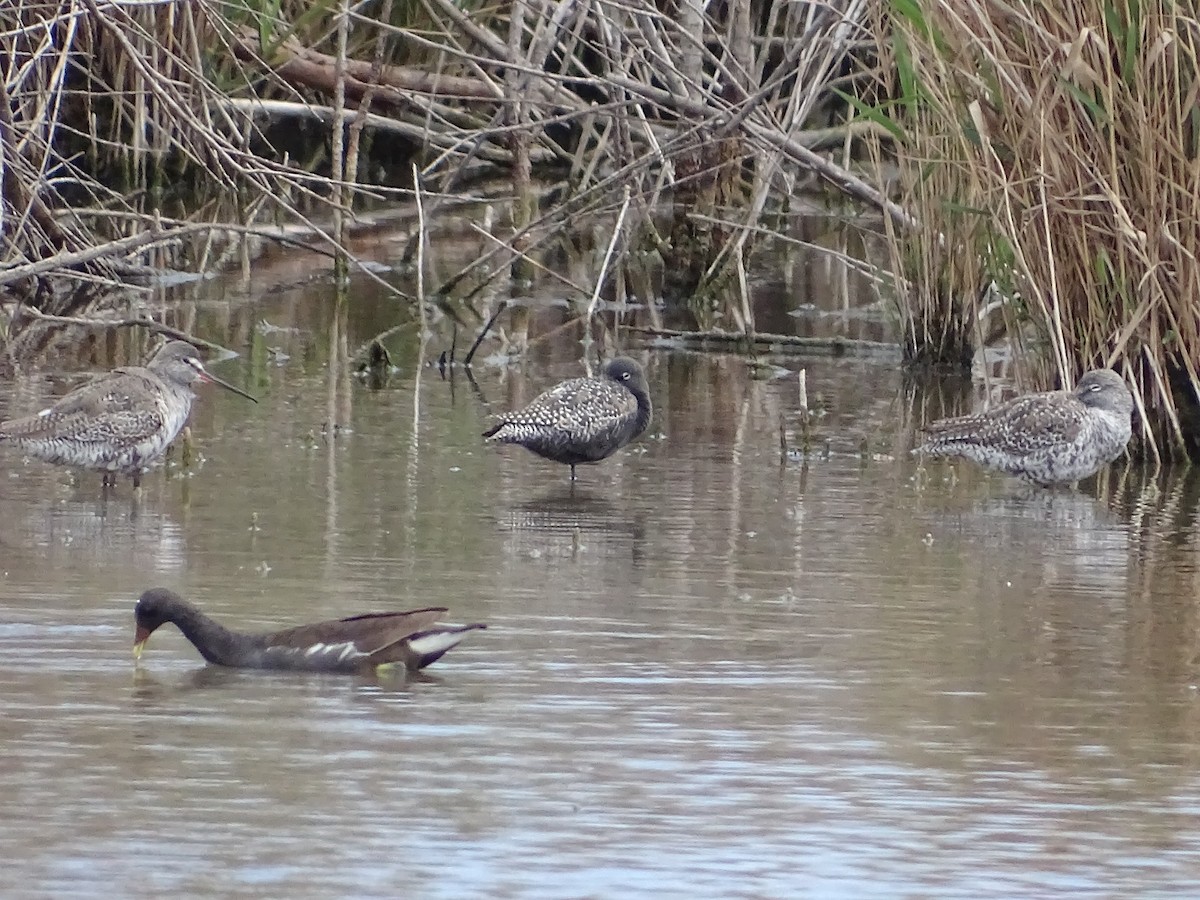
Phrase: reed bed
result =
(1045, 156)
(141, 131)
(1050, 152)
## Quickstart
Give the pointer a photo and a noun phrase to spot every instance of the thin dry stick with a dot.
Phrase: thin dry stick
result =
(744, 293)
(338, 135)
(1058, 339)
(422, 237)
(500, 307)
(422, 341)
(608, 255)
(63, 262)
(535, 263)
(364, 105)
(112, 324)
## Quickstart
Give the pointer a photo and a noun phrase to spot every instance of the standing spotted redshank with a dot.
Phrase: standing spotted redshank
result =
(1050, 438)
(583, 420)
(121, 422)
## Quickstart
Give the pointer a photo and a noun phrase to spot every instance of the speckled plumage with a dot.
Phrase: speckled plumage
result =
(120, 422)
(362, 644)
(583, 420)
(1054, 437)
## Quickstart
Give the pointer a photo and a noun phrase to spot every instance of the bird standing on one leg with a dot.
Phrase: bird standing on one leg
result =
(1048, 438)
(583, 420)
(120, 422)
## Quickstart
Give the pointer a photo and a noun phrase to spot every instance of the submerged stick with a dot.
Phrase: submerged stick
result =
(608, 255)
(112, 324)
(482, 334)
(722, 340)
(337, 138)
(422, 235)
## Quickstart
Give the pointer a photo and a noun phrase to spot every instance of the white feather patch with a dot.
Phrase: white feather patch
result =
(436, 642)
(343, 651)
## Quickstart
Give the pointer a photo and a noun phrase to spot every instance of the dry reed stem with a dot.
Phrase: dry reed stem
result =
(1081, 163)
(630, 84)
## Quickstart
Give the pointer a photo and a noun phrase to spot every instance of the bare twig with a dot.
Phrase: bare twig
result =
(608, 255)
(723, 340)
(113, 324)
(500, 307)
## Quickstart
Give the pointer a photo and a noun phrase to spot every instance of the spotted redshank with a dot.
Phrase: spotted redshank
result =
(583, 420)
(1050, 438)
(365, 644)
(121, 422)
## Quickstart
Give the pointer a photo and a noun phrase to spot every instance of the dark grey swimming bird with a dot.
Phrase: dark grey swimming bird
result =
(583, 420)
(364, 644)
(1054, 437)
(120, 422)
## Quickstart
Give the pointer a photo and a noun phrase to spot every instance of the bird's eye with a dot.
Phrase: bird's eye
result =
(625, 376)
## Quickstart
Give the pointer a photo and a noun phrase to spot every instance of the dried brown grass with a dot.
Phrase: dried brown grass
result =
(1056, 146)
(117, 103)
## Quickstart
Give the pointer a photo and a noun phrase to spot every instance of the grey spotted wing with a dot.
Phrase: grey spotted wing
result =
(604, 416)
(1017, 427)
(558, 407)
(110, 408)
(581, 419)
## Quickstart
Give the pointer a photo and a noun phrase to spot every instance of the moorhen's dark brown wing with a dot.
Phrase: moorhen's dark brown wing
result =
(355, 644)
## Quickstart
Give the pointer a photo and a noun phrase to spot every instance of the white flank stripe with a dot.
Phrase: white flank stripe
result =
(315, 648)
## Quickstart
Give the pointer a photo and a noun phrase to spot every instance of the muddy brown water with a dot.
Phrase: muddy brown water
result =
(709, 671)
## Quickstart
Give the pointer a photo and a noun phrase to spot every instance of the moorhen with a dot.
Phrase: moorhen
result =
(360, 644)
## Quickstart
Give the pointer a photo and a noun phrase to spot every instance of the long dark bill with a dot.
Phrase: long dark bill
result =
(210, 377)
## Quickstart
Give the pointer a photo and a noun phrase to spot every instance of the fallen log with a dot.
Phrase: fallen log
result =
(775, 343)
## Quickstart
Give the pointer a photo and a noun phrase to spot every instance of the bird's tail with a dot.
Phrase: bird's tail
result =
(431, 645)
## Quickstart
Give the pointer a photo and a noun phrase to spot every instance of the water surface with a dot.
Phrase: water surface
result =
(711, 670)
